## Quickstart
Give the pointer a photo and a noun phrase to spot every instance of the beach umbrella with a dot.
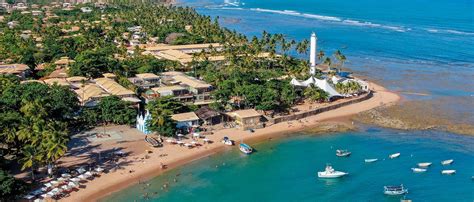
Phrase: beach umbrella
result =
(54, 182)
(76, 179)
(206, 140)
(82, 177)
(99, 169)
(180, 142)
(196, 135)
(169, 140)
(65, 187)
(61, 179)
(81, 170)
(66, 175)
(188, 145)
(180, 135)
(45, 195)
(48, 185)
(194, 142)
(72, 185)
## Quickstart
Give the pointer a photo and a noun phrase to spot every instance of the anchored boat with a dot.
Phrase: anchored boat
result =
(395, 190)
(424, 165)
(342, 153)
(447, 162)
(418, 170)
(370, 160)
(392, 156)
(329, 172)
(448, 172)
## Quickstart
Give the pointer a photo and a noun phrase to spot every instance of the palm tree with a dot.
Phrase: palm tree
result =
(320, 55)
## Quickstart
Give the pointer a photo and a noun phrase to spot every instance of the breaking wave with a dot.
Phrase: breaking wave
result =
(350, 22)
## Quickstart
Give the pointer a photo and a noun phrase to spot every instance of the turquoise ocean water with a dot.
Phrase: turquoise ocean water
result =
(408, 45)
(285, 170)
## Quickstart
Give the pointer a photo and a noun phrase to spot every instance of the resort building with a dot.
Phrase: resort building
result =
(63, 62)
(90, 94)
(179, 53)
(112, 87)
(209, 116)
(19, 70)
(200, 90)
(181, 93)
(186, 120)
(57, 81)
(145, 80)
(246, 119)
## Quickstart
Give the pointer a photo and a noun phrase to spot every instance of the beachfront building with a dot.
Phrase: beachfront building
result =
(112, 87)
(209, 116)
(19, 70)
(90, 94)
(145, 80)
(246, 119)
(180, 53)
(179, 92)
(186, 120)
(198, 89)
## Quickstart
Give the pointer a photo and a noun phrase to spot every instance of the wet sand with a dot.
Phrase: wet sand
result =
(174, 155)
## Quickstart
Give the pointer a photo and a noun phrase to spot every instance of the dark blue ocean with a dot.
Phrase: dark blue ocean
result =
(410, 46)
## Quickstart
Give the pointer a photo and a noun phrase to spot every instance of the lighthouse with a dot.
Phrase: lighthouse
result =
(312, 54)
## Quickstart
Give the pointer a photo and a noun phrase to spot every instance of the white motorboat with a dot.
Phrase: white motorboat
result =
(447, 162)
(343, 153)
(424, 165)
(370, 160)
(419, 170)
(227, 141)
(331, 173)
(392, 156)
(448, 172)
(395, 190)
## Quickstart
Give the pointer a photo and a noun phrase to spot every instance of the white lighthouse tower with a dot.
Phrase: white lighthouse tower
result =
(312, 54)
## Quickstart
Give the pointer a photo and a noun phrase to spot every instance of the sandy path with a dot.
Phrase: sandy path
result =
(176, 155)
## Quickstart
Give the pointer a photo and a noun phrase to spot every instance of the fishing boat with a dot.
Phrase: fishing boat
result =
(392, 156)
(419, 170)
(246, 149)
(448, 172)
(447, 162)
(370, 160)
(424, 165)
(152, 141)
(394, 190)
(329, 172)
(227, 141)
(342, 153)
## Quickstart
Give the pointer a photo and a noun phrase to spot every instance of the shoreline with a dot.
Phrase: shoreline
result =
(176, 156)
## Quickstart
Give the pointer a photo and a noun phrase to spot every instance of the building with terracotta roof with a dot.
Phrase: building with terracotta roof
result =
(201, 90)
(112, 87)
(19, 70)
(90, 94)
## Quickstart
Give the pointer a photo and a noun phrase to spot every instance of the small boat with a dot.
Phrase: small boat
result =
(394, 190)
(448, 172)
(342, 153)
(227, 141)
(424, 165)
(370, 160)
(246, 149)
(329, 172)
(392, 156)
(419, 170)
(152, 141)
(447, 162)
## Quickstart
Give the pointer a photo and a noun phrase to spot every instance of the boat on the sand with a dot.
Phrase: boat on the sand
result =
(227, 141)
(329, 172)
(152, 141)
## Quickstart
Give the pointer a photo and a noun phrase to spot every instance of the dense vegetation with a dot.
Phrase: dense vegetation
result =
(36, 120)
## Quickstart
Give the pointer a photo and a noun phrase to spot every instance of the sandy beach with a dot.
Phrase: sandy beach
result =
(173, 155)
